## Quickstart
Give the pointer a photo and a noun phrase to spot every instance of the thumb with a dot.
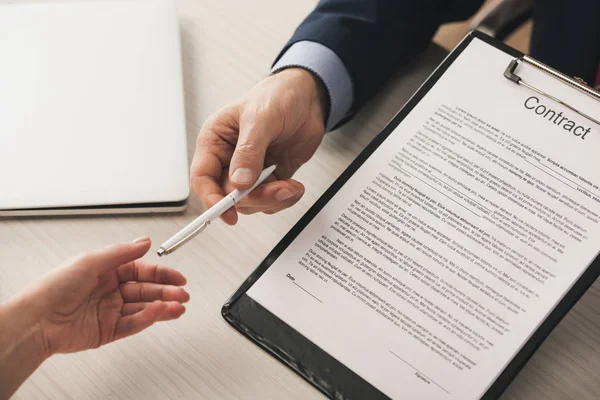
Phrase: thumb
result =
(114, 256)
(249, 156)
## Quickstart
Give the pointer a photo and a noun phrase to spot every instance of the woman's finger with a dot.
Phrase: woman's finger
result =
(112, 257)
(173, 309)
(144, 271)
(134, 292)
(135, 323)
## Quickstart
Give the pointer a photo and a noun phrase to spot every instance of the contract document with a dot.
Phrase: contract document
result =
(432, 266)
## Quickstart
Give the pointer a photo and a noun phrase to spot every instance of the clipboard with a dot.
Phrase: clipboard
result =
(312, 363)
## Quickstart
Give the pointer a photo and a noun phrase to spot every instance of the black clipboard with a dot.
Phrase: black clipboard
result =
(324, 372)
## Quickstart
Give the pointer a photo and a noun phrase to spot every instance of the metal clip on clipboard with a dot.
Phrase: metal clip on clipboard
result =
(510, 74)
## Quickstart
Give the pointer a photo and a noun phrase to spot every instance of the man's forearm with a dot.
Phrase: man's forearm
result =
(22, 345)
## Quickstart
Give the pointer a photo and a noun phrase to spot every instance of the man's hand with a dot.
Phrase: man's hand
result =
(104, 296)
(279, 121)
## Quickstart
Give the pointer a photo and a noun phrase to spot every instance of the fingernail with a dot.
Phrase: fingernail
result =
(242, 175)
(141, 240)
(283, 194)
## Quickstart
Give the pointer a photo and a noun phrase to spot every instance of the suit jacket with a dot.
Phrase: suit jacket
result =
(374, 38)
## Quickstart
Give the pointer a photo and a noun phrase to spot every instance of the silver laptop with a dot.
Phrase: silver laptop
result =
(91, 108)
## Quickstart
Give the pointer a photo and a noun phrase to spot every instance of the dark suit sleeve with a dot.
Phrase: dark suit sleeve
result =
(566, 36)
(374, 38)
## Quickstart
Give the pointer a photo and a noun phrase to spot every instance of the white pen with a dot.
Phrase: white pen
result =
(200, 223)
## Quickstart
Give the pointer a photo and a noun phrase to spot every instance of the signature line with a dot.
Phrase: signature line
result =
(444, 194)
(575, 183)
(308, 292)
(548, 173)
(405, 362)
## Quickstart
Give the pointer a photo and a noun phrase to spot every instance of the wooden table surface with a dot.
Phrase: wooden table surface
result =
(227, 47)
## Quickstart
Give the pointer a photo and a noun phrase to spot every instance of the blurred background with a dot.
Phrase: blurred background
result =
(450, 34)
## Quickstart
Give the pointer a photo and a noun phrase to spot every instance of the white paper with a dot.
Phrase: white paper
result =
(436, 261)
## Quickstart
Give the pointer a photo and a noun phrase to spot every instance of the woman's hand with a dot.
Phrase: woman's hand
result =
(96, 299)
(104, 296)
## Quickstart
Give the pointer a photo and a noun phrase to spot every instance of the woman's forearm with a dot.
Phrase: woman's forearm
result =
(22, 345)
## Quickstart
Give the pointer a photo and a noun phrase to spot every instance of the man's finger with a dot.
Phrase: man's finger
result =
(114, 256)
(271, 195)
(173, 309)
(210, 193)
(144, 271)
(270, 210)
(280, 207)
(214, 149)
(248, 158)
(134, 292)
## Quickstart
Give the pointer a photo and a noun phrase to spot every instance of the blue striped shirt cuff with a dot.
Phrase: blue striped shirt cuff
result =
(325, 64)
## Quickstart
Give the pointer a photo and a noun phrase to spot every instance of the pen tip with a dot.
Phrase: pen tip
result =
(160, 252)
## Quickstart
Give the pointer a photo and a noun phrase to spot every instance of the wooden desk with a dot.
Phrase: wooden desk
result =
(228, 46)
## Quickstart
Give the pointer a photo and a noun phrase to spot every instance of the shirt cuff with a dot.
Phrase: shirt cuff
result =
(327, 66)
